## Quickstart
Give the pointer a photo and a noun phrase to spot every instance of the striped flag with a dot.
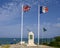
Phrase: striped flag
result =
(43, 9)
(26, 8)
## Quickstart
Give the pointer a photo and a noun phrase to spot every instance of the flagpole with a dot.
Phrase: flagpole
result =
(22, 25)
(38, 22)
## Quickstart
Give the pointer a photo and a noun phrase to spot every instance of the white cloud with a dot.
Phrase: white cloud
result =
(56, 25)
(58, 19)
(10, 31)
(9, 12)
(46, 25)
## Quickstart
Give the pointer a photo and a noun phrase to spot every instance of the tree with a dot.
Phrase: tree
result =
(55, 42)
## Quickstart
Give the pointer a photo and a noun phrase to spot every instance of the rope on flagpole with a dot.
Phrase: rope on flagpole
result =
(22, 25)
(38, 22)
(38, 19)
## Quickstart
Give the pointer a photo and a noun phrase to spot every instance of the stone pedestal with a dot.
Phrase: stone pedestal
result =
(31, 39)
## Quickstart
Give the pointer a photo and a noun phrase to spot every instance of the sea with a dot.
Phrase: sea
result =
(17, 40)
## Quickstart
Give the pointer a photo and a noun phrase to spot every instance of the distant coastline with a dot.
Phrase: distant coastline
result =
(16, 40)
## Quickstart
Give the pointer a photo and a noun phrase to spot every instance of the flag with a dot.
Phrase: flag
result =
(44, 29)
(26, 8)
(43, 9)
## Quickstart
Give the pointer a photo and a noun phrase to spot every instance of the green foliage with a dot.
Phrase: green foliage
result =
(55, 42)
(44, 43)
(57, 38)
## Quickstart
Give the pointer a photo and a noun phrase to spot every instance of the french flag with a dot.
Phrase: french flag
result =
(43, 9)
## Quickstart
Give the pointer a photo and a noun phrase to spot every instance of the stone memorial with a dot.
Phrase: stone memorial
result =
(31, 39)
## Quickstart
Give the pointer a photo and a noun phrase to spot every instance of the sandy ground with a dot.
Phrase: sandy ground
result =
(24, 46)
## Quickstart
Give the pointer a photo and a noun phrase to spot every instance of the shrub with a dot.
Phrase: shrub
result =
(55, 42)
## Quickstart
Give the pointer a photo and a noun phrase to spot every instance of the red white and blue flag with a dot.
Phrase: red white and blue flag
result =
(26, 8)
(43, 9)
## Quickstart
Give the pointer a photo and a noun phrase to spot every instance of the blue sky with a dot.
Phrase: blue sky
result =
(10, 18)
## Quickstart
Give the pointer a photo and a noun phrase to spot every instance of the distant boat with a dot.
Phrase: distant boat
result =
(14, 39)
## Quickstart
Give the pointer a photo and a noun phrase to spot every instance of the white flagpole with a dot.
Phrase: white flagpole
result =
(38, 22)
(22, 25)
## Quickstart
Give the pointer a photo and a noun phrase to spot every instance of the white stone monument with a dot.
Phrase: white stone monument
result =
(31, 39)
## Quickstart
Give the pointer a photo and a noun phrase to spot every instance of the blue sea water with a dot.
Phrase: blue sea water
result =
(16, 40)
